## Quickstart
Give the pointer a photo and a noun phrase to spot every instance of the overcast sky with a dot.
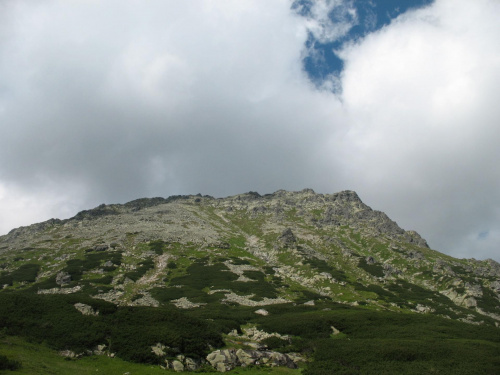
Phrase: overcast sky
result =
(109, 101)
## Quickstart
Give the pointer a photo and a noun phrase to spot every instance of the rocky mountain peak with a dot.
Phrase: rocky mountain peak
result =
(331, 244)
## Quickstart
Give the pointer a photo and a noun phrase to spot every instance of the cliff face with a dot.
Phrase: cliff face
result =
(247, 249)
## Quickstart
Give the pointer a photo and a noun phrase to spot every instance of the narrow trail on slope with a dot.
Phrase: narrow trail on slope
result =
(160, 264)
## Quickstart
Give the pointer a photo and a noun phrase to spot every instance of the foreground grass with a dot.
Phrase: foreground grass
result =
(36, 359)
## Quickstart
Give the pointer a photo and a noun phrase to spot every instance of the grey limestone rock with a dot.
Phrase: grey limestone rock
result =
(86, 309)
(414, 238)
(63, 278)
(177, 366)
(182, 363)
(473, 290)
(101, 247)
(223, 360)
(495, 285)
(228, 359)
(262, 312)
(287, 238)
(370, 260)
(159, 349)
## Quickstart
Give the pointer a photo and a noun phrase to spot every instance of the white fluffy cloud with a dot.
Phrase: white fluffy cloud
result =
(424, 125)
(111, 101)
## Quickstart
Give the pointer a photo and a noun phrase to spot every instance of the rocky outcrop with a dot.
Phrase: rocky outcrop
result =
(63, 278)
(184, 303)
(228, 359)
(255, 334)
(287, 239)
(86, 309)
(183, 363)
(60, 290)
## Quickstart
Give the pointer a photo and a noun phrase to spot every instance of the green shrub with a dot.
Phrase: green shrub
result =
(9, 364)
(417, 356)
(103, 280)
(135, 329)
(374, 269)
(76, 267)
(157, 246)
(274, 343)
(201, 275)
(25, 273)
(129, 331)
(322, 266)
(141, 270)
(239, 261)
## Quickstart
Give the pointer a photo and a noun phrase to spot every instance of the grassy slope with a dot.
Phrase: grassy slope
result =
(38, 359)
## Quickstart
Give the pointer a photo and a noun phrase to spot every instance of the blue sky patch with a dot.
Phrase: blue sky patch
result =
(370, 15)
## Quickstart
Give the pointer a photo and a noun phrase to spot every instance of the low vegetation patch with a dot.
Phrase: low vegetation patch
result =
(8, 364)
(141, 269)
(25, 274)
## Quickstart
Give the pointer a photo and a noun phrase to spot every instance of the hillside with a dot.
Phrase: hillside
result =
(280, 277)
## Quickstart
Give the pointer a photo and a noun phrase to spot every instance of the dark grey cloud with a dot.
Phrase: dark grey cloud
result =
(108, 102)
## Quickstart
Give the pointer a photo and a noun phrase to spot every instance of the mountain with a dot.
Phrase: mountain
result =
(263, 276)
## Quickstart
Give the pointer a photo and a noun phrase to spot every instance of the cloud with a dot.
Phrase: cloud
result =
(424, 136)
(126, 100)
(112, 101)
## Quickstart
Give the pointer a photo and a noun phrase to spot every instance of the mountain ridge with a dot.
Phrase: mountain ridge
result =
(141, 203)
(336, 229)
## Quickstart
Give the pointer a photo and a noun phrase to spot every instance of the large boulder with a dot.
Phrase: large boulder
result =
(223, 360)
(178, 366)
(182, 363)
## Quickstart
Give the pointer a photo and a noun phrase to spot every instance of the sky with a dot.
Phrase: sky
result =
(110, 101)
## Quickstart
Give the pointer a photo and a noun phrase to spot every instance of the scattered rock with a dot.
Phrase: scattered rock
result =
(228, 359)
(159, 349)
(495, 285)
(100, 350)
(414, 238)
(101, 247)
(470, 302)
(474, 290)
(262, 312)
(145, 300)
(287, 238)
(86, 309)
(423, 309)
(184, 303)
(247, 301)
(70, 354)
(60, 290)
(254, 334)
(370, 260)
(63, 278)
(177, 366)
(190, 364)
(335, 331)
(415, 255)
